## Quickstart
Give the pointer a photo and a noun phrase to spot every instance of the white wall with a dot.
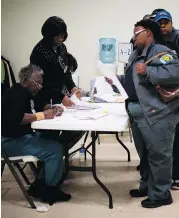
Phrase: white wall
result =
(87, 21)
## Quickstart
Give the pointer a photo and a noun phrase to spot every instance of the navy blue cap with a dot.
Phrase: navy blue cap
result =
(163, 15)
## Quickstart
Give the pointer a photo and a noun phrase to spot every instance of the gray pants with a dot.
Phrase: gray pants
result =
(155, 148)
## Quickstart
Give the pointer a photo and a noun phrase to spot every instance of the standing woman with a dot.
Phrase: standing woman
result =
(50, 54)
(149, 65)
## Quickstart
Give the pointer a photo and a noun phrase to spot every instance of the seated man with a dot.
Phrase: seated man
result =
(18, 139)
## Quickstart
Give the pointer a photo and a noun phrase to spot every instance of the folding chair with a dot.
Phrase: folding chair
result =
(14, 162)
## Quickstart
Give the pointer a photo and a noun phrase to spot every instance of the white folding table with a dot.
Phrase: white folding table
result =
(116, 121)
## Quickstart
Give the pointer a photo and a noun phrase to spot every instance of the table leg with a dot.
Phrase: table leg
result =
(94, 170)
(123, 145)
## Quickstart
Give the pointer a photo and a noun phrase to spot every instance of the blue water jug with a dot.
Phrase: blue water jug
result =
(107, 50)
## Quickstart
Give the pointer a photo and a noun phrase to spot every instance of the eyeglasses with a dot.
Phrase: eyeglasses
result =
(38, 85)
(138, 32)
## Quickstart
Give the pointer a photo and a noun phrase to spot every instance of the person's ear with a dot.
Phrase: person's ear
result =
(25, 83)
(148, 32)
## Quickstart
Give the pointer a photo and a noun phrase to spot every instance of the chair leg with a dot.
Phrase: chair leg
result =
(29, 199)
(2, 168)
(24, 166)
(33, 168)
(22, 173)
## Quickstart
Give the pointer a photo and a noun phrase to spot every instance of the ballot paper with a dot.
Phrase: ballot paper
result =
(107, 72)
(81, 105)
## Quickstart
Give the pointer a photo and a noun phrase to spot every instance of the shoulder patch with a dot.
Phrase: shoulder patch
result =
(166, 59)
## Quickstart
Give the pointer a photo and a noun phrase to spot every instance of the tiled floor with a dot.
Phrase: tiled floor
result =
(88, 200)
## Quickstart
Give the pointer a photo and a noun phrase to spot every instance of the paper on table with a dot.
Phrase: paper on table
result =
(81, 105)
(92, 115)
(110, 98)
(107, 72)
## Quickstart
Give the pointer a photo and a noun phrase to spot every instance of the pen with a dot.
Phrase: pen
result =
(51, 103)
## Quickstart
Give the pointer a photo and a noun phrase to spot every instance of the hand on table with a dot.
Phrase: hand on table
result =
(50, 113)
(77, 92)
(67, 102)
(59, 110)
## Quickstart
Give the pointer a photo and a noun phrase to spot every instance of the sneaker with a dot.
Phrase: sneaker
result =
(175, 185)
(138, 193)
(148, 203)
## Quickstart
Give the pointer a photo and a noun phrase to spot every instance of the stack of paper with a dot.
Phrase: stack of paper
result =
(81, 105)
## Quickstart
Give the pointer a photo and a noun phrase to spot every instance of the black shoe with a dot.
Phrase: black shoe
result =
(138, 193)
(147, 203)
(53, 195)
(47, 194)
(175, 185)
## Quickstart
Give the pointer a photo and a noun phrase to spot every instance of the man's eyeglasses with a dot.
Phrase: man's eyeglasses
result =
(138, 32)
(38, 85)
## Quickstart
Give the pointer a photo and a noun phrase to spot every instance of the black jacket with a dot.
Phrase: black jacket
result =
(172, 41)
(53, 63)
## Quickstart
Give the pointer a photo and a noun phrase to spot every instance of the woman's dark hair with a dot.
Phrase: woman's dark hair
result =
(54, 26)
(154, 28)
(72, 63)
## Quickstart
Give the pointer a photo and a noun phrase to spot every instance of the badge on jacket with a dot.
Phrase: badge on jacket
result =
(166, 59)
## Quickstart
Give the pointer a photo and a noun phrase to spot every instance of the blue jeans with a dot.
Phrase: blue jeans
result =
(48, 151)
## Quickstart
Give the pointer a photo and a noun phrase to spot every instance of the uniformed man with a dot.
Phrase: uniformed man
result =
(171, 37)
(155, 120)
(170, 34)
